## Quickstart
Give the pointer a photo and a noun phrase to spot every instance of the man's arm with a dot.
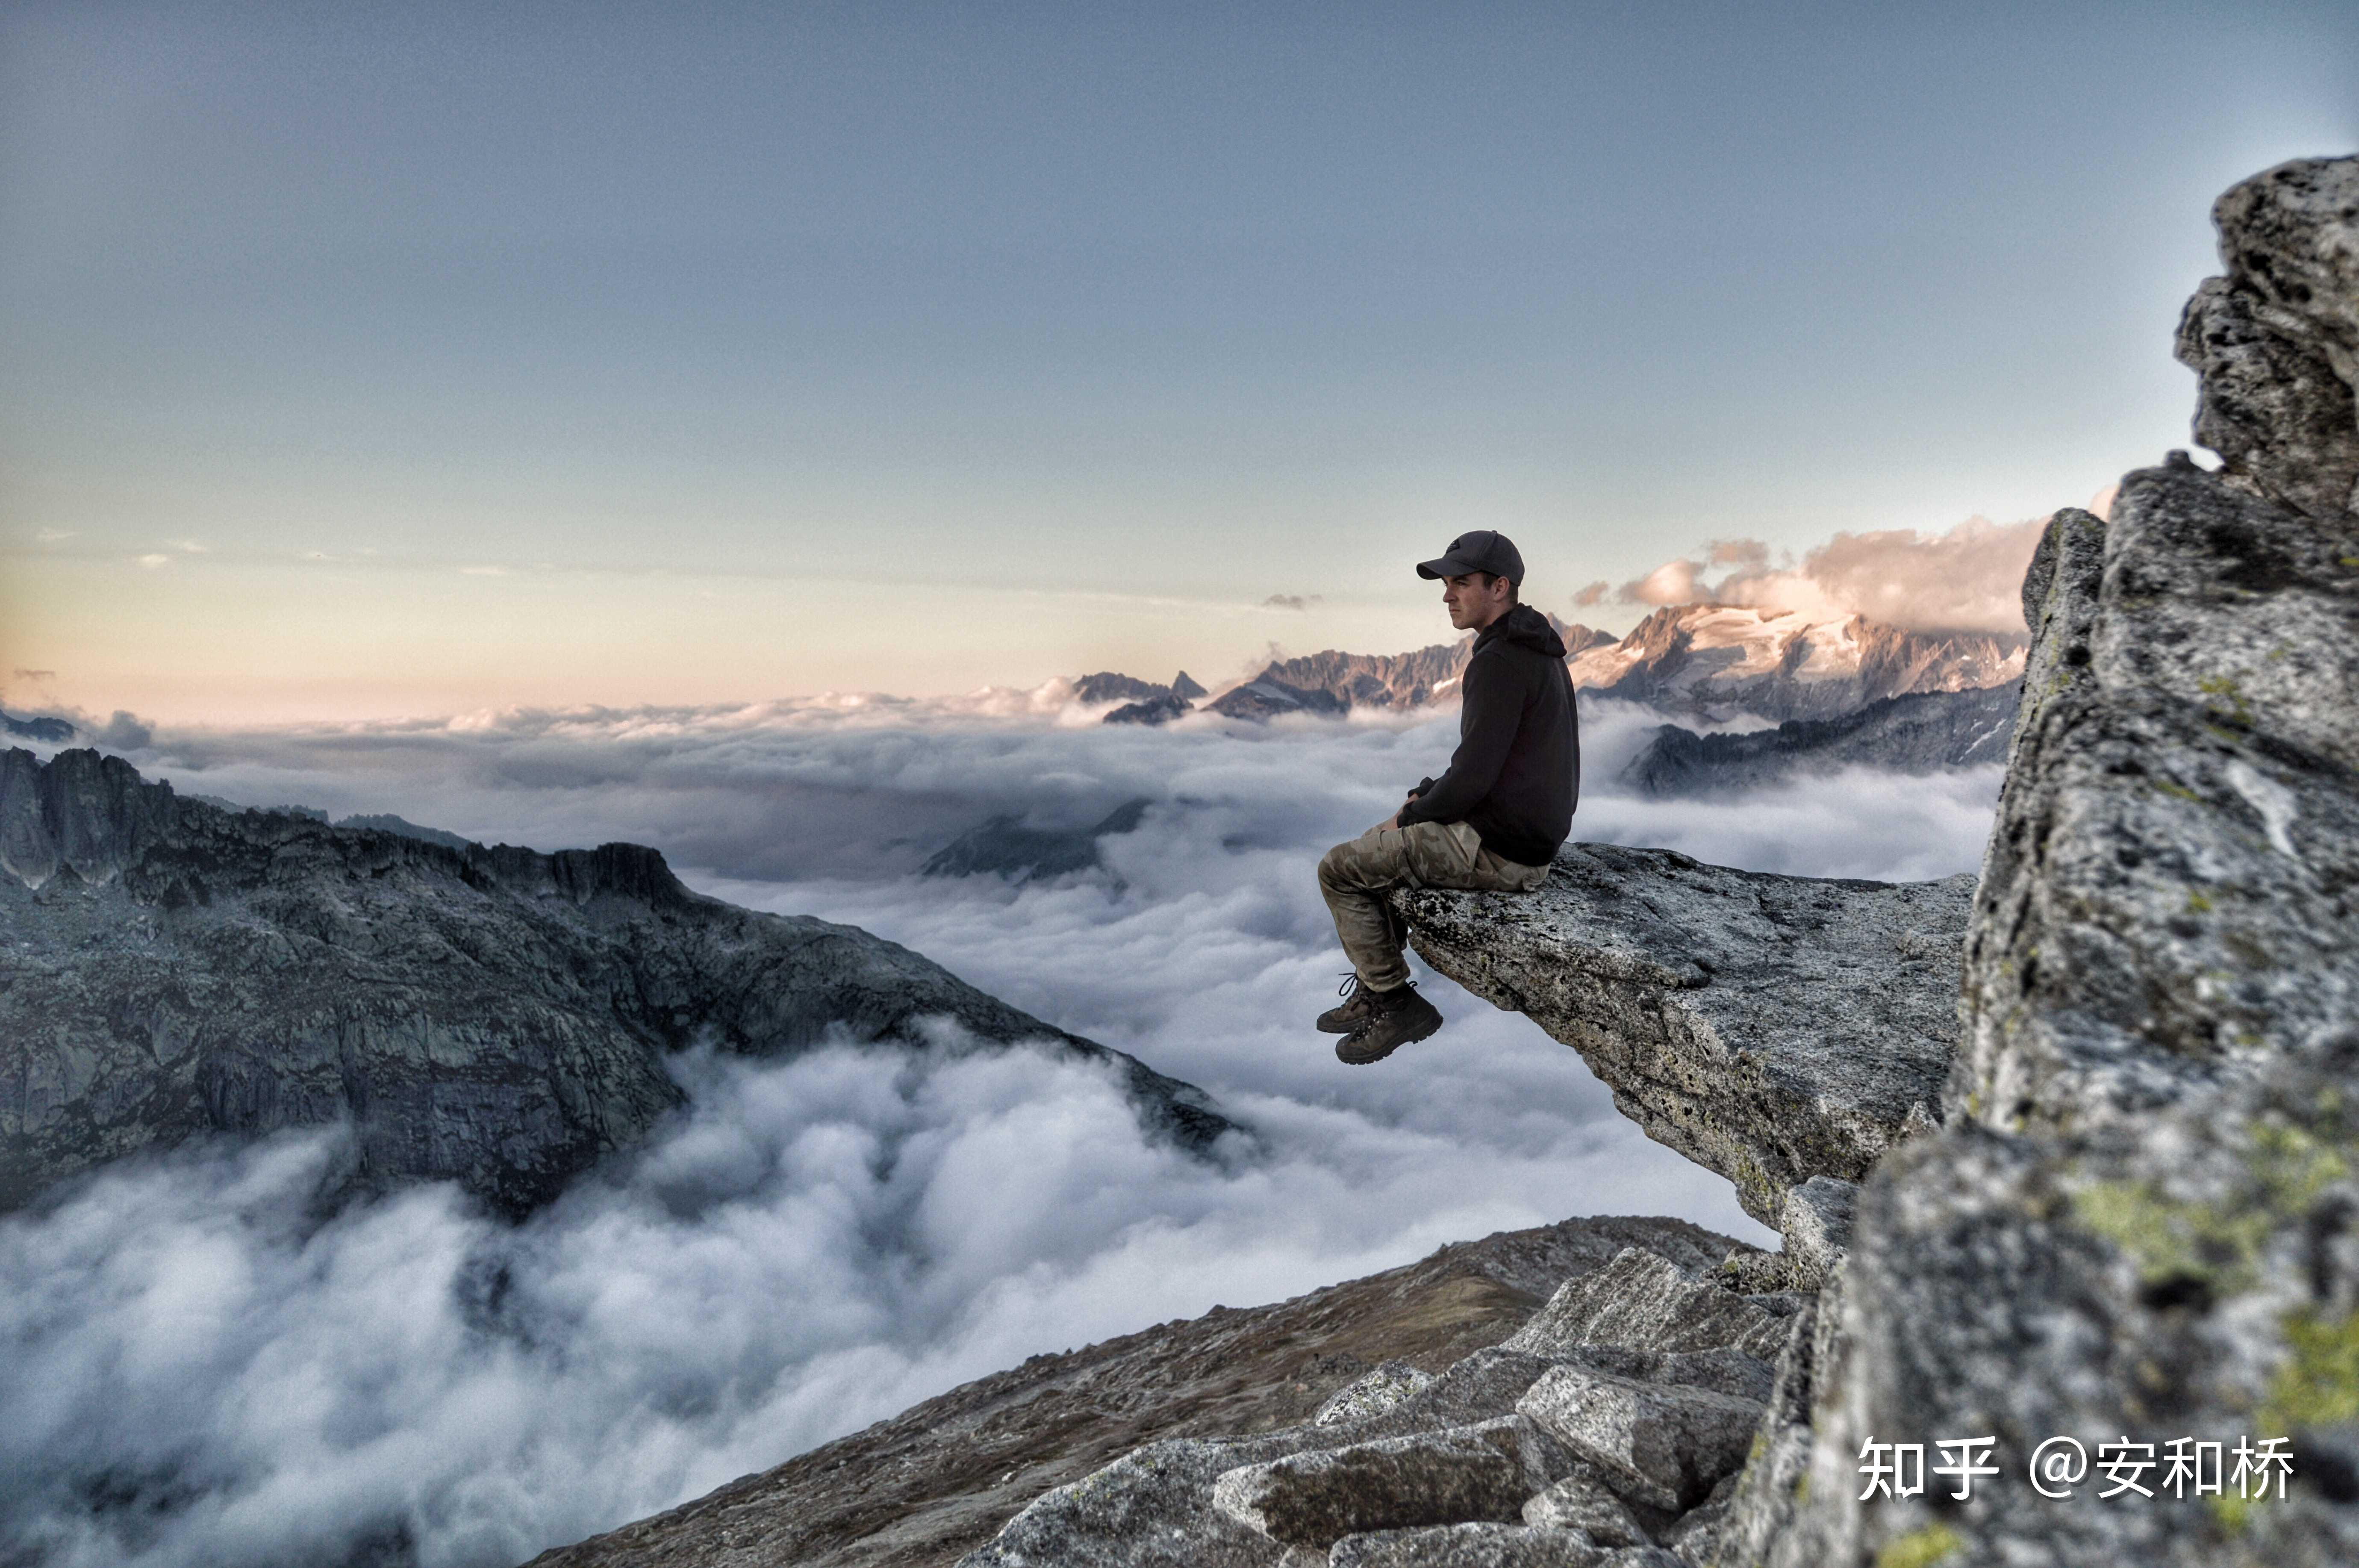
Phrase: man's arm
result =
(1494, 709)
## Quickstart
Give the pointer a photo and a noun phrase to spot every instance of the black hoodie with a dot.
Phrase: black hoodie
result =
(1516, 776)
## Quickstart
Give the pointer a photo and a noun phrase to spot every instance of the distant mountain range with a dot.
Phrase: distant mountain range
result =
(1715, 662)
(1924, 733)
(1720, 661)
(56, 730)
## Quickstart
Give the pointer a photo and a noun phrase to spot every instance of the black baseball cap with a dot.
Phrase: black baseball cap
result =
(1481, 551)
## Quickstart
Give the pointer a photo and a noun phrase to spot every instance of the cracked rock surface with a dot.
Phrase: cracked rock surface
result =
(1770, 1028)
(1616, 1415)
(493, 1016)
(919, 1490)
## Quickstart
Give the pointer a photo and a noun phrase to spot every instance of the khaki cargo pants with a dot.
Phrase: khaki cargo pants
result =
(1355, 876)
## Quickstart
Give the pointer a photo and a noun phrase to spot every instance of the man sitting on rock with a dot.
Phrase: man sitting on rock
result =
(1492, 820)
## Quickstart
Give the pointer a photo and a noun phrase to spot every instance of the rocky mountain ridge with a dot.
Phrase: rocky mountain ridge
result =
(1922, 732)
(1719, 661)
(54, 731)
(493, 1016)
(944, 1477)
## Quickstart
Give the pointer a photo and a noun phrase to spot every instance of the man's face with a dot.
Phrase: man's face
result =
(1474, 600)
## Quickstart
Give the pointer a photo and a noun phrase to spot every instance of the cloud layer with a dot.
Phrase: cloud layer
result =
(198, 1374)
(1967, 580)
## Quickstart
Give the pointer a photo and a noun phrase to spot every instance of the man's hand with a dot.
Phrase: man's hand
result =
(1388, 824)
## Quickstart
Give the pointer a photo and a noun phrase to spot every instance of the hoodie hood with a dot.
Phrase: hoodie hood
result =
(1526, 628)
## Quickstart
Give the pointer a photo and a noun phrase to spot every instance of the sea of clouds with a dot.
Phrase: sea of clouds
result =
(196, 1371)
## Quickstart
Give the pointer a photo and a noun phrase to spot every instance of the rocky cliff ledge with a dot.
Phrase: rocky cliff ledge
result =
(1772, 1028)
(495, 1016)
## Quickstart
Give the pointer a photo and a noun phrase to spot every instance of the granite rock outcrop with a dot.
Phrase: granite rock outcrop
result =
(1618, 1405)
(492, 1016)
(1772, 1028)
(944, 1476)
(2136, 1226)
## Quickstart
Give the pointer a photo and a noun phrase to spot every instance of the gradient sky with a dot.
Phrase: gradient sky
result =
(438, 358)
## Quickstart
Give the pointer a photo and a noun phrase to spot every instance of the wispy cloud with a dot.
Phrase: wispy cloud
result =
(152, 561)
(1293, 601)
(53, 535)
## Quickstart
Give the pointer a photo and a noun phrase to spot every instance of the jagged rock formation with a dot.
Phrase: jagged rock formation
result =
(1772, 1028)
(1005, 847)
(2276, 342)
(1614, 1420)
(1923, 733)
(1153, 711)
(387, 822)
(492, 1016)
(2139, 1223)
(1143, 702)
(944, 1475)
(1106, 686)
(1377, 680)
(1718, 661)
(1265, 698)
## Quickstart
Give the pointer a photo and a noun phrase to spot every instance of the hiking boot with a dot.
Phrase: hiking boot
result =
(1402, 1016)
(1358, 1007)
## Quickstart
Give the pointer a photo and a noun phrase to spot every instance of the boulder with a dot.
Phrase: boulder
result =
(1660, 1444)
(1483, 1387)
(1584, 1503)
(1439, 1478)
(1146, 1509)
(938, 1480)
